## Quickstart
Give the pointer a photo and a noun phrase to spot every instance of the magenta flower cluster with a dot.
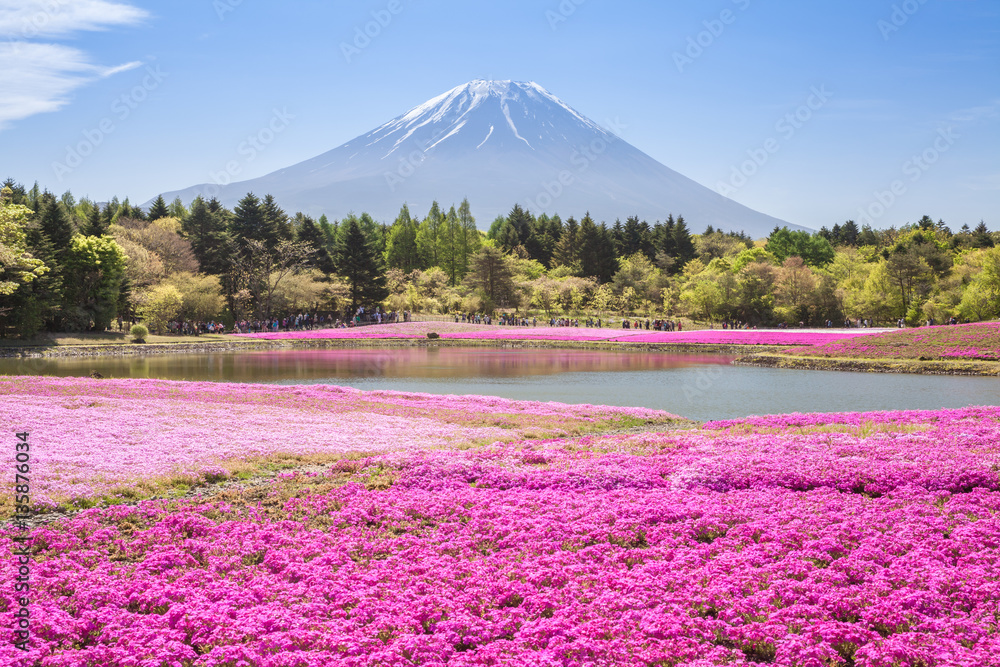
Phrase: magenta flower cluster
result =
(972, 342)
(463, 331)
(870, 540)
(97, 435)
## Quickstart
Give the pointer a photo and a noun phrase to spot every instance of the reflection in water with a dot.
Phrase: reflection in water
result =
(288, 366)
(697, 386)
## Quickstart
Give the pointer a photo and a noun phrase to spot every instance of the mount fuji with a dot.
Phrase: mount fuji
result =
(497, 143)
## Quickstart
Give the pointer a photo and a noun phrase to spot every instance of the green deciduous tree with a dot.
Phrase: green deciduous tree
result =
(17, 266)
(981, 299)
(201, 295)
(755, 292)
(812, 248)
(492, 276)
(257, 273)
(161, 305)
(22, 304)
(97, 265)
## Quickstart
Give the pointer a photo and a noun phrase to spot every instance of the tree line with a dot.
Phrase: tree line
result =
(71, 265)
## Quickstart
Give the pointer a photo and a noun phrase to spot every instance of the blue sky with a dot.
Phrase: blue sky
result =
(814, 112)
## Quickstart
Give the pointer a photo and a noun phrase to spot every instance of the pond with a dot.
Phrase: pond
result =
(701, 387)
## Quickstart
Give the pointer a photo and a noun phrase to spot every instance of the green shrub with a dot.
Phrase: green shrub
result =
(139, 333)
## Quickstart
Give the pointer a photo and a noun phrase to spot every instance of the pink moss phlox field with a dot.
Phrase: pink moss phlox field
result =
(969, 342)
(465, 331)
(92, 436)
(870, 540)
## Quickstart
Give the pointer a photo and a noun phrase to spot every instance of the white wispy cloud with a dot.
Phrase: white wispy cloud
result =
(38, 77)
(31, 19)
(987, 111)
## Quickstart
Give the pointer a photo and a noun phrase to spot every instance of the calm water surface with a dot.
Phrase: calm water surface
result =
(696, 386)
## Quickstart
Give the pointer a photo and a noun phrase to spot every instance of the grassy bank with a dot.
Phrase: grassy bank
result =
(926, 367)
(965, 349)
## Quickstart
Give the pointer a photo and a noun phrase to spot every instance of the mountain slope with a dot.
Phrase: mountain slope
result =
(497, 143)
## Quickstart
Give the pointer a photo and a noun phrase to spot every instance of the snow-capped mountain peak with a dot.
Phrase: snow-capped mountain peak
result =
(511, 108)
(497, 143)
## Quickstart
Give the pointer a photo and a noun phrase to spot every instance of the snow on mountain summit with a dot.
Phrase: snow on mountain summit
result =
(493, 104)
(497, 143)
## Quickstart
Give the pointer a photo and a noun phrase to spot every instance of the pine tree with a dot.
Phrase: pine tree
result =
(329, 233)
(18, 195)
(205, 228)
(607, 259)
(981, 237)
(541, 243)
(34, 197)
(428, 243)
(618, 238)
(276, 223)
(521, 221)
(107, 215)
(636, 237)
(310, 234)
(555, 228)
(359, 265)
(55, 225)
(177, 209)
(831, 235)
(469, 240)
(491, 274)
(566, 252)
(587, 242)
(849, 233)
(95, 223)
(449, 250)
(50, 241)
(126, 210)
(401, 243)
(683, 244)
(158, 209)
(248, 222)
(508, 239)
(667, 246)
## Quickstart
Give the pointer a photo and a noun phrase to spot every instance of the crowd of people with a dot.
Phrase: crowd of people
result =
(299, 322)
(654, 325)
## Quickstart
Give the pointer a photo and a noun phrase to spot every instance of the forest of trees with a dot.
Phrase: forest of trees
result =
(68, 265)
